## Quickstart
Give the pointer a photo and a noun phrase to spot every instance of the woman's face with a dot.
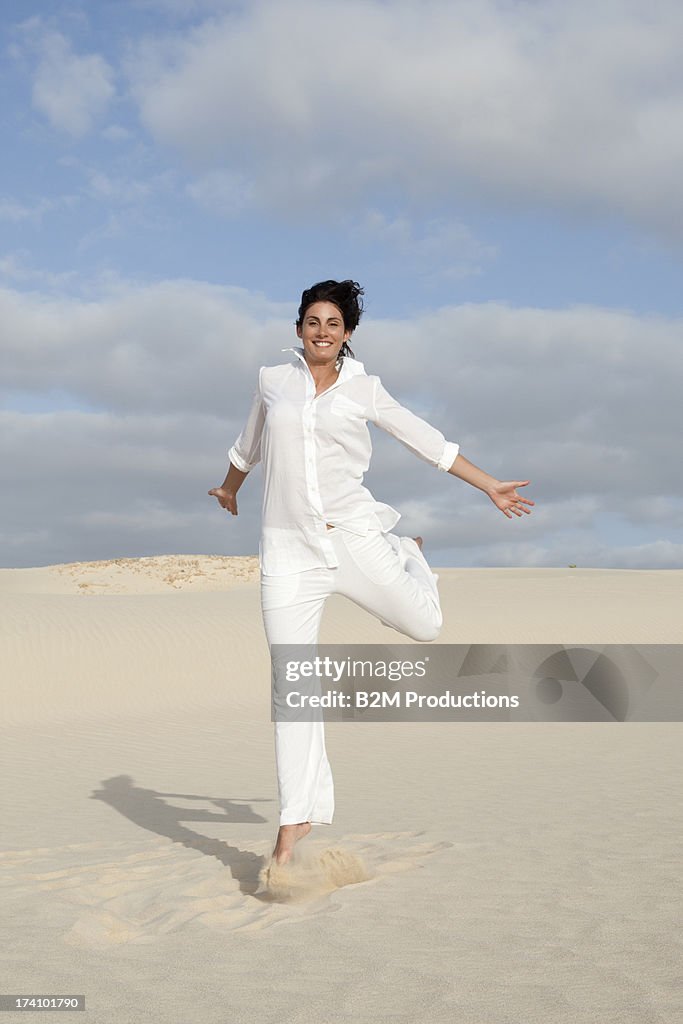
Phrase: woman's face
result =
(322, 333)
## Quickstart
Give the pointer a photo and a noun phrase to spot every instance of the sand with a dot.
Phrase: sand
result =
(489, 873)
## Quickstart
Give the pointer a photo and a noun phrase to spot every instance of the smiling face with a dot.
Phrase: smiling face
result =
(322, 333)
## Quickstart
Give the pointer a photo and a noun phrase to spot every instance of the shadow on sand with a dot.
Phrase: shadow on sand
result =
(148, 809)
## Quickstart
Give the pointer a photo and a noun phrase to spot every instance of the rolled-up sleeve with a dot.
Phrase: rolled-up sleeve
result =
(246, 451)
(416, 434)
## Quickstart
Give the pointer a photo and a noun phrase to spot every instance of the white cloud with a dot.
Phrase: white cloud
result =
(72, 90)
(317, 104)
(583, 402)
(116, 133)
(656, 510)
(438, 249)
(96, 484)
(14, 267)
(182, 9)
(221, 192)
(584, 552)
(119, 189)
(138, 349)
(17, 210)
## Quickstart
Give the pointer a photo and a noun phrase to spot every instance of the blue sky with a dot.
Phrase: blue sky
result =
(503, 179)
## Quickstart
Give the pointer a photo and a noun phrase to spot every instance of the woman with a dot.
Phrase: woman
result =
(322, 531)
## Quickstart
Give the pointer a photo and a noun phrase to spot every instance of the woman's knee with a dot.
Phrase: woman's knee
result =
(425, 636)
(427, 628)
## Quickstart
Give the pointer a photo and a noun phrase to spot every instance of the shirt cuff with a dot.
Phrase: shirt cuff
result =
(450, 453)
(239, 462)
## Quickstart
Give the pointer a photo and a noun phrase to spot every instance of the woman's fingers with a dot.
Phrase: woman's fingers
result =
(227, 502)
(510, 501)
(518, 497)
(517, 505)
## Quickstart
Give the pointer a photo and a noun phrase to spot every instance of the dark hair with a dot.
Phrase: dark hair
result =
(345, 295)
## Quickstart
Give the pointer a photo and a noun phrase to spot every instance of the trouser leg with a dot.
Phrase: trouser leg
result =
(292, 608)
(389, 577)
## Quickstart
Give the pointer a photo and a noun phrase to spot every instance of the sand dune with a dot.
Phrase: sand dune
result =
(156, 574)
(482, 873)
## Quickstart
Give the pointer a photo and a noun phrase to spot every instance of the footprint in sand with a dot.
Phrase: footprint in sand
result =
(310, 874)
(129, 893)
(314, 872)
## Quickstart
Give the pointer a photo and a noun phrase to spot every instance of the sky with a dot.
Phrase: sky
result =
(501, 176)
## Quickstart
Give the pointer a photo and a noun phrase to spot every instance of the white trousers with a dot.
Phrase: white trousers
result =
(386, 575)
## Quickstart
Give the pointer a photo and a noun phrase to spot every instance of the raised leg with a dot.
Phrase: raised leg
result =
(390, 577)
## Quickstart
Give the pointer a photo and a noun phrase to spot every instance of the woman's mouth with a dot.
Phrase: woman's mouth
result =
(322, 344)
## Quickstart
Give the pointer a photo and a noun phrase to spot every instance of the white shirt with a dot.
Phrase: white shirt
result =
(315, 450)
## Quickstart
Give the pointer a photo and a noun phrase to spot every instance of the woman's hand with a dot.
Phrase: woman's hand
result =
(226, 499)
(505, 497)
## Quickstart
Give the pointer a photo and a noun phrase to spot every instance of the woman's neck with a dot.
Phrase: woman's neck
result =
(323, 375)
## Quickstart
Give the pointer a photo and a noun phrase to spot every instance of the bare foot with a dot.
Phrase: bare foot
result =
(418, 541)
(286, 838)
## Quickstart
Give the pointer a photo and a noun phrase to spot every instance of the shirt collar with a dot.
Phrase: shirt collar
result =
(350, 367)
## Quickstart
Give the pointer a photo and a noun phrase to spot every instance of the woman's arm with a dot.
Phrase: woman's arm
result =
(244, 455)
(416, 434)
(501, 492)
(430, 444)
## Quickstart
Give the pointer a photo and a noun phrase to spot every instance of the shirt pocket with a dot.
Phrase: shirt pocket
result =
(347, 408)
